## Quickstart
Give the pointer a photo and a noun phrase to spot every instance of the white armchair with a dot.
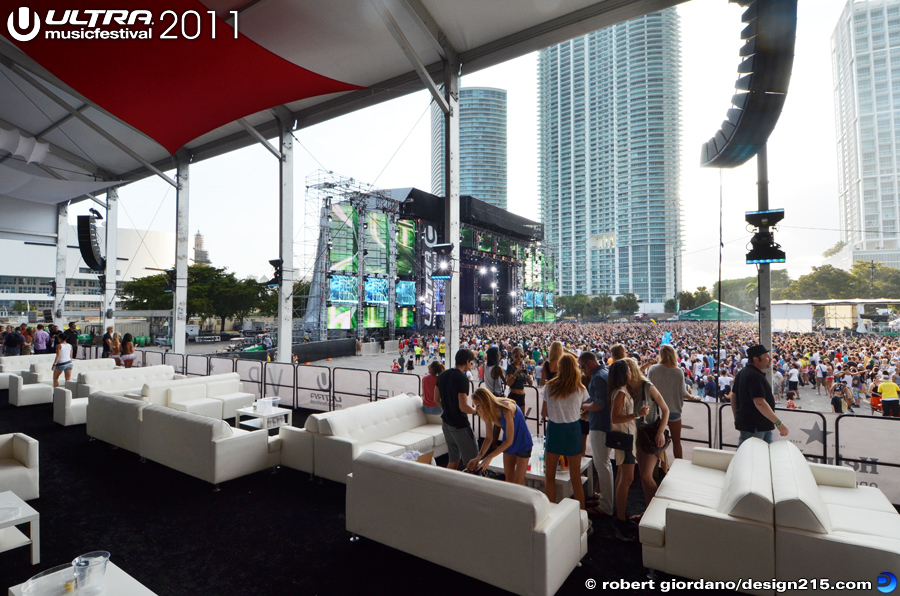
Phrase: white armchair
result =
(19, 466)
(21, 394)
(66, 410)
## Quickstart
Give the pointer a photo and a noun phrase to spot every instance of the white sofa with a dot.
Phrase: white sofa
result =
(19, 364)
(115, 420)
(216, 396)
(19, 471)
(507, 535)
(827, 527)
(390, 426)
(21, 394)
(120, 380)
(713, 517)
(4, 379)
(42, 372)
(67, 410)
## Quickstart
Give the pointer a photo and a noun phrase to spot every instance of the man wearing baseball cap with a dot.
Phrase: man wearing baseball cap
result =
(752, 403)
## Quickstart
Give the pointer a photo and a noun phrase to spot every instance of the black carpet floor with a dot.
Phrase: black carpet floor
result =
(261, 534)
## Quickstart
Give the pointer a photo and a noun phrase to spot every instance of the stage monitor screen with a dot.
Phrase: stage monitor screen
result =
(467, 238)
(376, 243)
(376, 290)
(344, 245)
(406, 247)
(404, 317)
(539, 300)
(549, 273)
(529, 270)
(528, 315)
(487, 302)
(529, 299)
(375, 317)
(342, 317)
(439, 297)
(343, 289)
(548, 300)
(406, 293)
(485, 243)
(549, 316)
(503, 247)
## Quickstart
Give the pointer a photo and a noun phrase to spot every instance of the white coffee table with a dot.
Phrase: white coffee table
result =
(262, 418)
(116, 583)
(535, 477)
(14, 512)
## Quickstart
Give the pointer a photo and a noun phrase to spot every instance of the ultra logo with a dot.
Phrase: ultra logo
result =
(24, 22)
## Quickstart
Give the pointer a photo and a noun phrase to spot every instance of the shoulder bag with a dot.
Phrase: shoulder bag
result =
(647, 431)
(616, 439)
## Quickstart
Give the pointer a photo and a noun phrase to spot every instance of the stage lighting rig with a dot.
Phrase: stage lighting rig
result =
(763, 248)
(275, 282)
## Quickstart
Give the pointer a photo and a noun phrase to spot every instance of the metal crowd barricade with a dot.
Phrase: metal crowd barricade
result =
(348, 385)
(251, 373)
(533, 411)
(219, 366)
(388, 384)
(313, 387)
(154, 358)
(878, 440)
(794, 420)
(176, 361)
(710, 435)
(196, 365)
(280, 379)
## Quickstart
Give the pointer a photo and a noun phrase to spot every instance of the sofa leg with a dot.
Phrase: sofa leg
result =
(651, 574)
(216, 488)
(274, 470)
(143, 460)
(354, 538)
(91, 439)
(579, 564)
(311, 477)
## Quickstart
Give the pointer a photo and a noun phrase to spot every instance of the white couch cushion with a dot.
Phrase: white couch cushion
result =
(214, 388)
(432, 430)
(182, 393)
(863, 497)
(383, 448)
(856, 520)
(798, 503)
(686, 470)
(747, 492)
(376, 420)
(411, 441)
(683, 490)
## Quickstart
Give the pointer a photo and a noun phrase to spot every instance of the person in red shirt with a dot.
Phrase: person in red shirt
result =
(429, 382)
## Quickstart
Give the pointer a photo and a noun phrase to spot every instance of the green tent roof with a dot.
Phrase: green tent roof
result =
(710, 312)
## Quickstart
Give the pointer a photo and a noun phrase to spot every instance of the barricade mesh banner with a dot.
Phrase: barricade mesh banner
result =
(872, 441)
(176, 361)
(388, 384)
(279, 382)
(219, 366)
(314, 387)
(532, 411)
(250, 372)
(153, 358)
(351, 387)
(196, 365)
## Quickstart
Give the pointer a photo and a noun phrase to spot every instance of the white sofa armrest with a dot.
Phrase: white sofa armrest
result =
(712, 458)
(21, 394)
(838, 476)
(557, 547)
(62, 400)
(297, 448)
(25, 451)
(30, 378)
(239, 455)
(333, 456)
(177, 377)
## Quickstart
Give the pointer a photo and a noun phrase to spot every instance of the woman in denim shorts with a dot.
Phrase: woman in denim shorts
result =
(63, 361)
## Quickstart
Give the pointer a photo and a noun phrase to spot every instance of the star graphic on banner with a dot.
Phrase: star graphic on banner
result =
(816, 434)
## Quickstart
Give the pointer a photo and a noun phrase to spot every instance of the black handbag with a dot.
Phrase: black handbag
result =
(647, 431)
(618, 440)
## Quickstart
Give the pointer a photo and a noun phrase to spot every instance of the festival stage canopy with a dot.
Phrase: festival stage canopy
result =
(710, 312)
(119, 109)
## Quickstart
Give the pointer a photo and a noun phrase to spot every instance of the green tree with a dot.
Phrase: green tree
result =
(149, 293)
(840, 244)
(671, 306)
(627, 304)
(701, 296)
(823, 283)
(580, 305)
(602, 304)
(687, 300)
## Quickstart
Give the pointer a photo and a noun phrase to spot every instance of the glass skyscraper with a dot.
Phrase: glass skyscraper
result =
(482, 145)
(865, 53)
(609, 111)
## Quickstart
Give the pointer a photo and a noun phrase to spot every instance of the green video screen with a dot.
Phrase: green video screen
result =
(467, 238)
(344, 246)
(404, 317)
(528, 315)
(406, 247)
(375, 317)
(376, 243)
(485, 243)
(341, 317)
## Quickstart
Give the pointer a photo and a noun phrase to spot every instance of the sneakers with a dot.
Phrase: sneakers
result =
(625, 531)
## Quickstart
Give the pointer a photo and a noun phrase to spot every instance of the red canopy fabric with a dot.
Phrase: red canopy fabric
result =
(172, 90)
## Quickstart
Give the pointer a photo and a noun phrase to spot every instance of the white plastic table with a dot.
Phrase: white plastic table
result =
(535, 477)
(13, 512)
(116, 583)
(261, 418)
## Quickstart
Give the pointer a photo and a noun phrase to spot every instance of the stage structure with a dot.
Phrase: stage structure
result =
(378, 268)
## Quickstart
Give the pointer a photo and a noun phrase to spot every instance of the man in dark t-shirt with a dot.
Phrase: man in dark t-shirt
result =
(107, 342)
(453, 392)
(753, 403)
(72, 338)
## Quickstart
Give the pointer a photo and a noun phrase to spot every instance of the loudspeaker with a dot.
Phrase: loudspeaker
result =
(48, 315)
(87, 243)
(768, 54)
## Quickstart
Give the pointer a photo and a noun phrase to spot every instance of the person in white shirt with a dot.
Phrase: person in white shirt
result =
(793, 377)
(821, 372)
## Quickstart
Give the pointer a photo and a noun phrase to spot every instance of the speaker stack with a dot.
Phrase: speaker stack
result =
(88, 244)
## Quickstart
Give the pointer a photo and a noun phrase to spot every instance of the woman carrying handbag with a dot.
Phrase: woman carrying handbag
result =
(646, 396)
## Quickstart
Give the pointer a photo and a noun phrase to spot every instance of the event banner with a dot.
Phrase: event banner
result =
(343, 239)
(406, 247)
(429, 263)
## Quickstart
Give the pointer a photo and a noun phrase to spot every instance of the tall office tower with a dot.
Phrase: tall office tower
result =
(865, 54)
(609, 106)
(200, 255)
(482, 145)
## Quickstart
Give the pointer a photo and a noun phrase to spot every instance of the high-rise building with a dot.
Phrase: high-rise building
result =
(865, 54)
(482, 145)
(200, 255)
(609, 110)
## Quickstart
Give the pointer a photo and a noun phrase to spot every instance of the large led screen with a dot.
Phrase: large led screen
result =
(485, 243)
(549, 316)
(341, 317)
(467, 238)
(528, 315)
(376, 243)
(343, 239)
(343, 289)
(375, 317)
(487, 302)
(439, 297)
(529, 299)
(406, 247)
(404, 317)
(503, 247)
(548, 300)
(406, 293)
(539, 300)
(376, 291)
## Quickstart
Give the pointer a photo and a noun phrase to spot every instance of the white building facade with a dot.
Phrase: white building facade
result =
(609, 112)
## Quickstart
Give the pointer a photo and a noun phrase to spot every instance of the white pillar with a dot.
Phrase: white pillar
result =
(112, 254)
(182, 227)
(286, 236)
(62, 242)
(451, 206)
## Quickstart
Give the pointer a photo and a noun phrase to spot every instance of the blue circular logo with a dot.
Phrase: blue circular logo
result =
(887, 582)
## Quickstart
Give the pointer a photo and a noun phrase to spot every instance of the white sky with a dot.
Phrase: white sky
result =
(234, 200)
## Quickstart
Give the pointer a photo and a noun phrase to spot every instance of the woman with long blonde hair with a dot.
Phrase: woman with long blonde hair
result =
(645, 394)
(668, 378)
(563, 396)
(516, 443)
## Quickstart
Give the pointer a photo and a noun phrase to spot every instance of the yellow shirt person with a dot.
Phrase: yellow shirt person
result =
(888, 390)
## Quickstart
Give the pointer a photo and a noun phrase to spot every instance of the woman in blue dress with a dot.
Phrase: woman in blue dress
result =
(515, 444)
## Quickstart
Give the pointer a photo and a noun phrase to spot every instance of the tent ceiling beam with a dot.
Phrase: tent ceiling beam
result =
(91, 169)
(431, 28)
(411, 55)
(245, 10)
(84, 119)
(259, 137)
